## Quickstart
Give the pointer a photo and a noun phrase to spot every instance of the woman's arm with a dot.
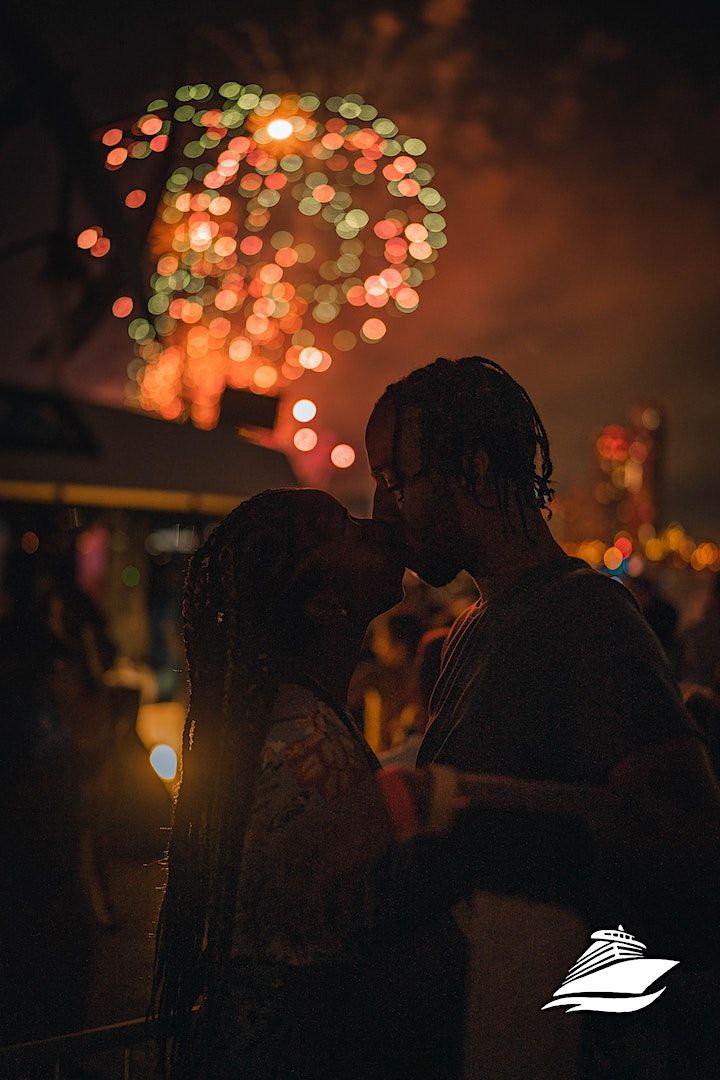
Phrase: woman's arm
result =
(337, 854)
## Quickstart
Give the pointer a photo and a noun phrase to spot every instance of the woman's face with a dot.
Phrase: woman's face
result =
(356, 558)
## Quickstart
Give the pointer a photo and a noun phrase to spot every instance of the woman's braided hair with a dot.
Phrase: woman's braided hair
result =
(471, 404)
(237, 619)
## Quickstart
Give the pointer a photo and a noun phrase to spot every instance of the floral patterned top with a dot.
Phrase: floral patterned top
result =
(318, 816)
(304, 901)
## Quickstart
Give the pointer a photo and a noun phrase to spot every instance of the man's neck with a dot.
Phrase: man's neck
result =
(498, 569)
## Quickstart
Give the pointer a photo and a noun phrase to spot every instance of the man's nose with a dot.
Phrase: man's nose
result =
(385, 507)
(381, 532)
(385, 535)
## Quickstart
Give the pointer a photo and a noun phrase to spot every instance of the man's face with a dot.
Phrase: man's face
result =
(421, 508)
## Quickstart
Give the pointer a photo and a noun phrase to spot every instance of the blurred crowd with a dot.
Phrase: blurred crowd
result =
(79, 790)
(694, 654)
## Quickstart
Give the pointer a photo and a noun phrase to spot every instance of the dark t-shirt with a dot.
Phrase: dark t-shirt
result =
(559, 678)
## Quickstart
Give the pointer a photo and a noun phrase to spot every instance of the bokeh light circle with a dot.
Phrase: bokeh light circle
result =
(88, 238)
(122, 307)
(135, 198)
(29, 542)
(373, 329)
(280, 129)
(342, 456)
(305, 439)
(304, 410)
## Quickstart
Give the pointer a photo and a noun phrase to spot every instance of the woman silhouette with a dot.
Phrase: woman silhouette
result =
(283, 861)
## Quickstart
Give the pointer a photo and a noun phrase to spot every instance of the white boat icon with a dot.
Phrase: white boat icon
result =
(612, 975)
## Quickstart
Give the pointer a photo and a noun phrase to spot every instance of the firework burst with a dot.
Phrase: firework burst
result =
(293, 230)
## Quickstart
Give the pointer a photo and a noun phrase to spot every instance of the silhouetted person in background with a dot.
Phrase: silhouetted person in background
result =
(700, 644)
(661, 614)
(46, 940)
(426, 670)
(381, 687)
(704, 705)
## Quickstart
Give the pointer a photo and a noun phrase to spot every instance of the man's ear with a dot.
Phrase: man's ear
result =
(478, 463)
(481, 467)
(325, 609)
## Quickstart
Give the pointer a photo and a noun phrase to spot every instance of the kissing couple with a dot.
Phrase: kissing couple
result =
(307, 931)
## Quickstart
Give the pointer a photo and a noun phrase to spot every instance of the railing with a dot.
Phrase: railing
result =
(105, 1052)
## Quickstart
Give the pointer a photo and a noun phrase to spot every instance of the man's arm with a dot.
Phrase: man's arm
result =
(665, 818)
(657, 822)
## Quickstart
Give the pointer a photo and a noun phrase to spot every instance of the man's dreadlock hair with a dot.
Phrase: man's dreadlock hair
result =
(237, 620)
(471, 404)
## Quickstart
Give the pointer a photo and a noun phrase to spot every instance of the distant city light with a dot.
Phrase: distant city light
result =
(373, 329)
(623, 543)
(29, 542)
(636, 565)
(130, 576)
(613, 558)
(175, 540)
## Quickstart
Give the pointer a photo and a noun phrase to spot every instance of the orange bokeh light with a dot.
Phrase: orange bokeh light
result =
(251, 245)
(122, 307)
(305, 439)
(342, 456)
(88, 238)
(240, 349)
(310, 358)
(374, 329)
(135, 198)
(100, 247)
(265, 376)
(116, 157)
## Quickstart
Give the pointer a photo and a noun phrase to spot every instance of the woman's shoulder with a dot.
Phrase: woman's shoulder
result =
(307, 737)
(298, 713)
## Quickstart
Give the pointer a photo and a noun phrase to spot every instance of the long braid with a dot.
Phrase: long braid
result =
(232, 628)
(470, 404)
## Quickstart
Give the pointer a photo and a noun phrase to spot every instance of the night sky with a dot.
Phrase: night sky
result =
(576, 147)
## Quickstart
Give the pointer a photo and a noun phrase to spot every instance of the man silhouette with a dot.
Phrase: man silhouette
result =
(553, 674)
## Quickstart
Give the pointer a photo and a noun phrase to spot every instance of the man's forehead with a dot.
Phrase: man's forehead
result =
(381, 426)
(393, 436)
